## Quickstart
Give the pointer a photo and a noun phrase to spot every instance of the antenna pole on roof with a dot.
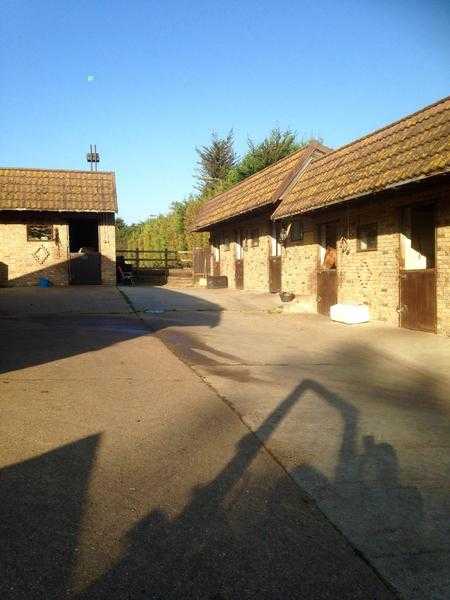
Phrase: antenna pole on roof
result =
(93, 157)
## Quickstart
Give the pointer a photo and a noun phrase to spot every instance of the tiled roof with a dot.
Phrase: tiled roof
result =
(263, 188)
(414, 147)
(42, 189)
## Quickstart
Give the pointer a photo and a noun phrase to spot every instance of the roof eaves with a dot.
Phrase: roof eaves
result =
(309, 149)
(397, 184)
(209, 224)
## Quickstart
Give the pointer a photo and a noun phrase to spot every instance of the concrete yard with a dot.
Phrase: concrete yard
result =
(359, 416)
(125, 476)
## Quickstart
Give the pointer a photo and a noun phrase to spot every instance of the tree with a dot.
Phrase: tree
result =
(219, 170)
(275, 146)
(193, 239)
(215, 161)
(122, 234)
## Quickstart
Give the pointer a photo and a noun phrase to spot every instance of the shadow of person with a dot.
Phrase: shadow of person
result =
(367, 500)
(248, 533)
(393, 514)
(378, 462)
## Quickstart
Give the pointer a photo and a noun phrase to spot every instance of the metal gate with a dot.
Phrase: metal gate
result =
(326, 291)
(418, 299)
(274, 274)
(239, 273)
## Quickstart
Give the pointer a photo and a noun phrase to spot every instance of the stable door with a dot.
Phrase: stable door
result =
(418, 273)
(275, 261)
(239, 261)
(326, 273)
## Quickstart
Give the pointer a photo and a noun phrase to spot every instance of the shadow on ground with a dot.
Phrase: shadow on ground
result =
(245, 534)
(27, 335)
(42, 503)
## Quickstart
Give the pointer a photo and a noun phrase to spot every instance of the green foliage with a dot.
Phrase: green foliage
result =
(122, 233)
(219, 170)
(170, 231)
(215, 160)
(278, 144)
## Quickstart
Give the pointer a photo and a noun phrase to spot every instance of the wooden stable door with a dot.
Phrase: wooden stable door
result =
(418, 274)
(326, 273)
(326, 291)
(418, 299)
(275, 260)
(85, 268)
(216, 268)
(201, 262)
(274, 274)
(239, 273)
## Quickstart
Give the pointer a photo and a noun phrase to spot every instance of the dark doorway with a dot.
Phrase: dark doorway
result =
(418, 275)
(326, 274)
(83, 234)
(85, 259)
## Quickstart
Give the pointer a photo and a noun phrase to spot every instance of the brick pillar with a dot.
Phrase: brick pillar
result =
(107, 247)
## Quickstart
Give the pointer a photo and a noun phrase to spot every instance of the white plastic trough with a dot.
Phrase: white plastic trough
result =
(350, 313)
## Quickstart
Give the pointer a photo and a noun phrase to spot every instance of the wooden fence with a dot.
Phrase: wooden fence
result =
(156, 259)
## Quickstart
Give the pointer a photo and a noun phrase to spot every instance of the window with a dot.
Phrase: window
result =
(297, 231)
(39, 233)
(226, 242)
(367, 237)
(255, 238)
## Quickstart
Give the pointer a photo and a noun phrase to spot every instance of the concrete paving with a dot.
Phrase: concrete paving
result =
(156, 299)
(92, 299)
(125, 476)
(366, 425)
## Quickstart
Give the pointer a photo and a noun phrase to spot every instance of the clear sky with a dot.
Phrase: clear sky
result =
(148, 81)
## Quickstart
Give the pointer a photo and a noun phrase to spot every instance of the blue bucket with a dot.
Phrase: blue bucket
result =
(44, 282)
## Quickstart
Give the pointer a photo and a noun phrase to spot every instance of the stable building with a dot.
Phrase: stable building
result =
(57, 226)
(369, 223)
(382, 205)
(243, 239)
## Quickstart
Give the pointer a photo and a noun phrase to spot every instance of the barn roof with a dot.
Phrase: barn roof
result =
(417, 146)
(261, 189)
(57, 190)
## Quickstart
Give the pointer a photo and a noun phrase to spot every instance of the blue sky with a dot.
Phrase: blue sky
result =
(168, 73)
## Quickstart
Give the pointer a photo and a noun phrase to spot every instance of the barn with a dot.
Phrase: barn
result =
(57, 227)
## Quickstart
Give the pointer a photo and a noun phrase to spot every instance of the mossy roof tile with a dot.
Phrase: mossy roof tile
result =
(47, 190)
